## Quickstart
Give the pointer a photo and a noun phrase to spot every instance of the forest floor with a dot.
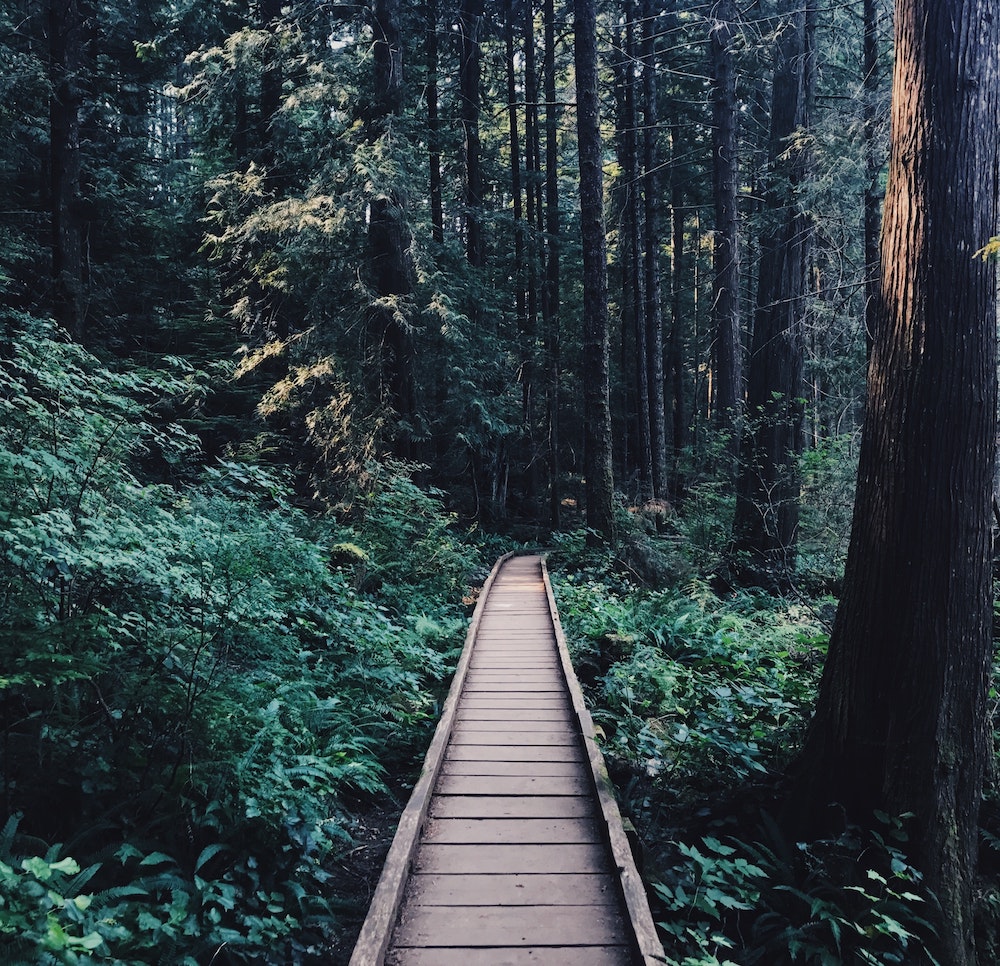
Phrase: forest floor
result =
(354, 873)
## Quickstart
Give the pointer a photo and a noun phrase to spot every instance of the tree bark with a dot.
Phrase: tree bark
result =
(653, 310)
(552, 283)
(389, 236)
(596, 349)
(901, 721)
(765, 526)
(470, 21)
(728, 348)
(434, 125)
(633, 298)
(65, 25)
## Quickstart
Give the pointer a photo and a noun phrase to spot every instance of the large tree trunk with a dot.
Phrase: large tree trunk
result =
(900, 721)
(551, 287)
(470, 21)
(66, 40)
(728, 348)
(633, 299)
(653, 310)
(389, 236)
(675, 346)
(595, 374)
(517, 205)
(434, 125)
(765, 527)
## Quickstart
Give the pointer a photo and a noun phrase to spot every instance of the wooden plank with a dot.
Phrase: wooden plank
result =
(541, 889)
(514, 701)
(505, 859)
(516, 753)
(530, 680)
(517, 641)
(516, 672)
(507, 956)
(520, 662)
(467, 713)
(515, 728)
(511, 806)
(514, 785)
(554, 686)
(509, 831)
(465, 926)
(465, 735)
(549, 769)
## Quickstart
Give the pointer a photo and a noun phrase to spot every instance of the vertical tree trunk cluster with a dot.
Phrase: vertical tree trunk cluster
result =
(434, 125)
(653, 310)
(765, 527)
(901, 721)
(552, 285)
(470, 19)
(633, 300)
(728, 348)
(872, 220)
(596, 348)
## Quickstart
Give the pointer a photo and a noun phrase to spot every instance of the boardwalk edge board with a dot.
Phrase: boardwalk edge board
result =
(376, 932)
(650, 948)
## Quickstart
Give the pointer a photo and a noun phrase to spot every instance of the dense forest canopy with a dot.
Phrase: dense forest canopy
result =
(310, 309)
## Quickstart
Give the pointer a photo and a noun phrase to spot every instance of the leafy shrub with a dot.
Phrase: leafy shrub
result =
(849, 899)
(196, 688)
(702, 697)
(690, 686)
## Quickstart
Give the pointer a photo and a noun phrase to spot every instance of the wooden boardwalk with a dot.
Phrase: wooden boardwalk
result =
(511, 850)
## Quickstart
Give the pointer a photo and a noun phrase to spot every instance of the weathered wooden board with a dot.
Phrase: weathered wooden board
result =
(503, 785)
(514, 701)
(511, 831)
(504, 662)
(505, 859)
(464, 735)
(512, 806)
(535, 769)
(514, 687)
(465, 926)
(514, 753)
(551, 673)
(538, 889)
(525, 956)
(516, 727)
(526, 715)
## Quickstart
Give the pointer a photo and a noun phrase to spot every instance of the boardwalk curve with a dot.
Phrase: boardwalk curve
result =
(511, 849)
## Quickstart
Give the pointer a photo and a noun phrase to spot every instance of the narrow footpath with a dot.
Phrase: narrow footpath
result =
(511, 850)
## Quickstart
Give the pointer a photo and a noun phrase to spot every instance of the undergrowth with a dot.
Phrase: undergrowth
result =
(199, 683)
(701, 697)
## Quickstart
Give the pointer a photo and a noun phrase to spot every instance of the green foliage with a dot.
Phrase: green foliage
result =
(828, 471)
(692, 687)
(700, 699)
(849, 899)
(195, 679)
